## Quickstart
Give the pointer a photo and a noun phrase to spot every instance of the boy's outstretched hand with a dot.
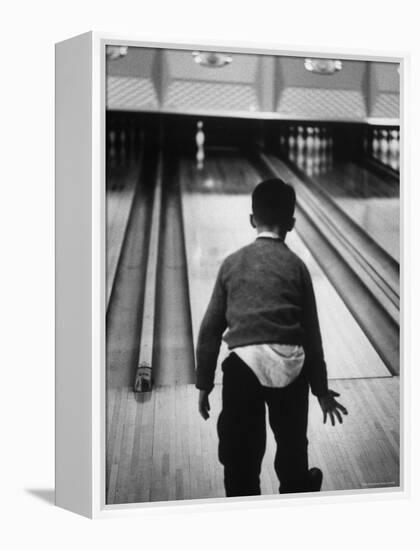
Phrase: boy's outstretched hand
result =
(203, 404)
(331, 407)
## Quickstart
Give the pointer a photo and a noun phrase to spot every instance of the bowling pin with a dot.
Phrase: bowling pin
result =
(292, 140)
(393, 144)
(317, 140)
(384, 146)
(394, 149)
(375, 144)
(309, 168)
(300, 141)
(300, 160)
(282, 140)
(317, 162)
(323, 140)
(123, 152)
(199, 139)
(112, 149)
(317, 151)
(309, 140)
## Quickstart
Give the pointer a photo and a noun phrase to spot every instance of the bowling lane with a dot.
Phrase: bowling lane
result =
(368, 199)
(216, 206)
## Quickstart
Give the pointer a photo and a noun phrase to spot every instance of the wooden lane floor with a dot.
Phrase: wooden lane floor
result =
(121, 186)
(217, 224)
(372, 203)
(351, 180)
(166, 451)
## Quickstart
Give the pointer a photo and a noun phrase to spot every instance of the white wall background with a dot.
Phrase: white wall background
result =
(28, 32)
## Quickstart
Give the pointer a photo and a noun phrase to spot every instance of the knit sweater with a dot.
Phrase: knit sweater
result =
(263, 294)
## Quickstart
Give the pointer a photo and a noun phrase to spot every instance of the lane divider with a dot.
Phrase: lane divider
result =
(143, 380)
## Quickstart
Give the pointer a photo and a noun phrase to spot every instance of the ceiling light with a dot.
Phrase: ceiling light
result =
(116, 52)
(323, 66)
(212, 59)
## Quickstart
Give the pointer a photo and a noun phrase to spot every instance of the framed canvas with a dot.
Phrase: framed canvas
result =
(159, 148)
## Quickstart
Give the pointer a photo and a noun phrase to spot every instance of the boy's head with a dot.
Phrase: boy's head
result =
(273, 205)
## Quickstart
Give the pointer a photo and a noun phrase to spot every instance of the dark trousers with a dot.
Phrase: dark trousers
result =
(242, 432)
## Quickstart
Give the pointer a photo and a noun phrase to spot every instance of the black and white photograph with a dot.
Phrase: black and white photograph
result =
(252, 274)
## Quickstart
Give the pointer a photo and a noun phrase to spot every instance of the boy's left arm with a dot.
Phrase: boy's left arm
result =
(315, 356)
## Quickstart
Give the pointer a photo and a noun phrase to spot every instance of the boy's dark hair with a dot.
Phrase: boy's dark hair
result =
(273, 203)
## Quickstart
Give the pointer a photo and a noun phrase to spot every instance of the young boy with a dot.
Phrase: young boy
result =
(263, 296)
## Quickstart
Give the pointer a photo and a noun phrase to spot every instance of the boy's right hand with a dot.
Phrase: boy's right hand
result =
(331, 407)
(203, 404)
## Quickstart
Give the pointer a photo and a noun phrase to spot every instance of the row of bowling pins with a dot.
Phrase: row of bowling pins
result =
(384, 146)
(314, 164)
(310, 148)
(306, 139)
(123, 144)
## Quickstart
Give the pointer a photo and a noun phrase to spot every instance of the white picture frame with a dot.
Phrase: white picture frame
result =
(81, 271)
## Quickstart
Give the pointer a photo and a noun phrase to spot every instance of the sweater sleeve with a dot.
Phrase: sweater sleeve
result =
(210, 336)
(314, 362)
